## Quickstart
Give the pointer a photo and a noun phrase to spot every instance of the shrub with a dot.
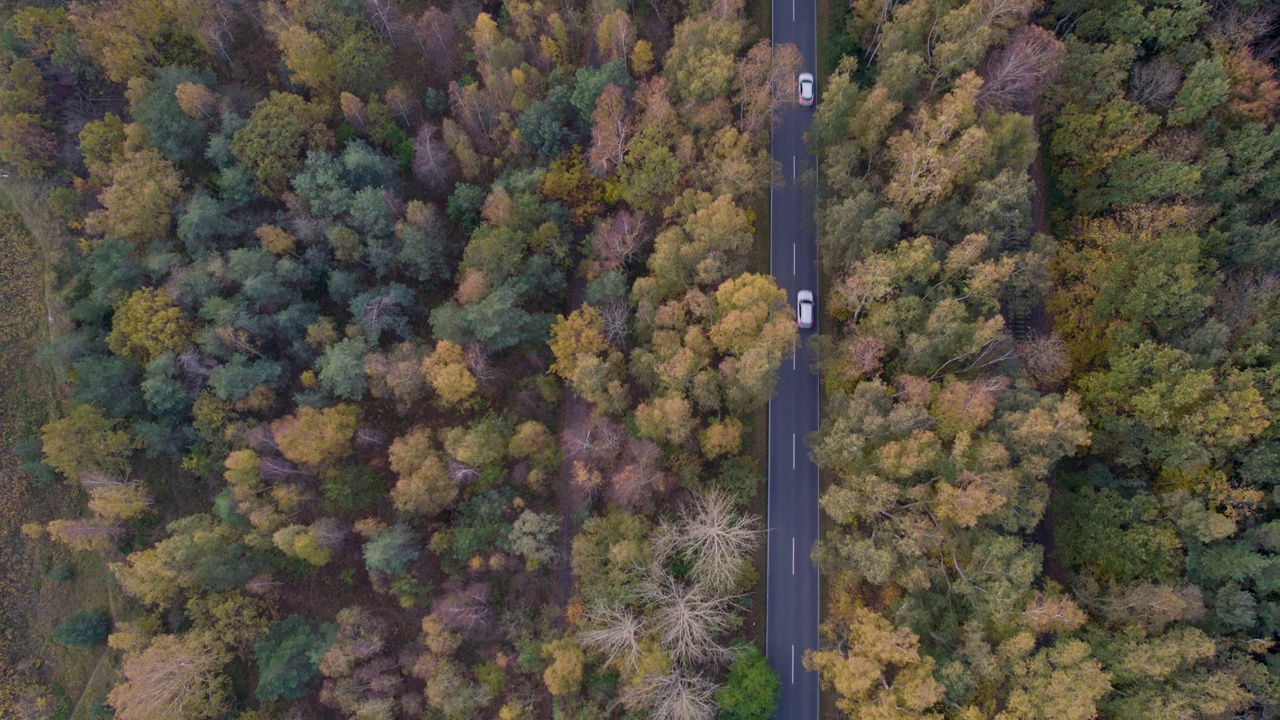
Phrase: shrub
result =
(84, 629)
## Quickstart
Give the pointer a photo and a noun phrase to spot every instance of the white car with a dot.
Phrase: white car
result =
(805, 83)
(804, 309)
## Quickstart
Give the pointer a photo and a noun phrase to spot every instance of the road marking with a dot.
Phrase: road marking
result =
(793, 10)
(794, 353)
(793, 451)
(793, 259)
(793, 167)
(793, 555)
(793, 664)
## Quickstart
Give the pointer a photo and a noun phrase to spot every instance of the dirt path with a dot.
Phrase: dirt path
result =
(103, 657)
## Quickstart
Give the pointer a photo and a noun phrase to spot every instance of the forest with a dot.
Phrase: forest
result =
(397, 359)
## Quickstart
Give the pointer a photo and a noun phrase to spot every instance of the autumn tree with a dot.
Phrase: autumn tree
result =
(944, 149)
(424, 485)
(316, 438)
(176, 676)
(446, 371)
(610, 131)
(137, 205)
(586, 360)
(147, 324)
(874, 668)
(86, 441)
(270, 144)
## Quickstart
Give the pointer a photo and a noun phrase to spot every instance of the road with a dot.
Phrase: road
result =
(792, 584)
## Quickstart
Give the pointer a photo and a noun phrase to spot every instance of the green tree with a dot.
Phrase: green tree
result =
(341, 369)
(84, 629)
(270, 144)
(167, 127)
(531, 536)
(1155, 408)
(391, 549)
(751, 692)
(201, 554)
(288, 659)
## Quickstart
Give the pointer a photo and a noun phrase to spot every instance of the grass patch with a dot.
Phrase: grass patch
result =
(42, 584)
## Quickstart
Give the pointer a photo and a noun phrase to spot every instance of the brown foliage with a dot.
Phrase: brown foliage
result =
(1013, 75)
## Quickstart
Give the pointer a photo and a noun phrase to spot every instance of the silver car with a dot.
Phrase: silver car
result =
(804, 309)
(805, 83)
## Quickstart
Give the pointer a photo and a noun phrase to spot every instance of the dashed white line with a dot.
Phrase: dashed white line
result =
(793, 167)
(793, 555)
(793, 451)
(793, 664)
(793, 259)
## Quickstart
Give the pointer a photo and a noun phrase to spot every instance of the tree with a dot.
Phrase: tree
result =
(270, 144)
(167, 126)
(751, 693)
(27, 143)
(665, 419)
(316, 438)
(147, 324)
(447, 372)
(384, 308)
(437, 39)
(137, 205)
(433, 162)
(1205, 88)
(563, 675)
(391, 549)
(649, 171)
(1155, 408)
(424, 485)
(84, 440)
(85, 629)
(200, 554)
(1063, 681)
(716, 540)
(945, 149)
(531, 537)
(288, 659)
(875, 668)
(91, 535)
(177, 677)
(610, 131)
(342, 369)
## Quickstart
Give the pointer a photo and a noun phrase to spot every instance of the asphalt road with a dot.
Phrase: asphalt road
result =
(792, 584)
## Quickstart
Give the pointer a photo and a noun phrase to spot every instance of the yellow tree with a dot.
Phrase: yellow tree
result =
(446, 370)
(944, 149)
(147, 324)
(875, 668)
(316, 438)
(424, 485)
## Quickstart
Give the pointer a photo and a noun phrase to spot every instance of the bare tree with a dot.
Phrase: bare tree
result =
(615, 633)
(433, 161)
(1014, 74)
(617, 323)
(674, 695)
(1154, 83)
(438, 41)
(610, 131)
(617, 240)
(718, 539)
(687, 619)
(1046, 359)
(386, 18)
